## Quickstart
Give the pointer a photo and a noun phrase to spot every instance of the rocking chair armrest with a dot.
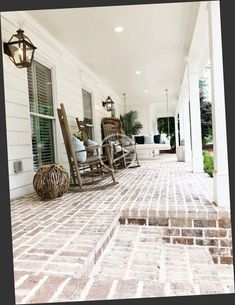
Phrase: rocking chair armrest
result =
(93, 147)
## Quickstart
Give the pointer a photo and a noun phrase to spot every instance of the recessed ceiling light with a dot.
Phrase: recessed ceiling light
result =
(138, 72)
(146, 91)
(118, 29)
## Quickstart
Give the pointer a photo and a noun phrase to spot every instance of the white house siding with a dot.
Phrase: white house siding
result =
(69, 77)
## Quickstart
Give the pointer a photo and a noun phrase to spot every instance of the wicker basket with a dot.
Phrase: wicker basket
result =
(51, 181)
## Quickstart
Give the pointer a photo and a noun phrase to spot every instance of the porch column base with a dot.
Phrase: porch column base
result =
(221, 189)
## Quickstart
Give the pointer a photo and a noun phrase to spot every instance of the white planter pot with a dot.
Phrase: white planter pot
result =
(79, 145)
(180, 153)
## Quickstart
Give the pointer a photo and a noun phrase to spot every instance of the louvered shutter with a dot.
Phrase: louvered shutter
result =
(41, 113)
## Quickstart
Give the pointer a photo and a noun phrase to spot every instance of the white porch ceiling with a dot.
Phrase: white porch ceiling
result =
(155, 40)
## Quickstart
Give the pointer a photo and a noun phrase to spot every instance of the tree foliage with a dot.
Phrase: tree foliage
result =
(162, 124)
(206, 115)
(130, 124)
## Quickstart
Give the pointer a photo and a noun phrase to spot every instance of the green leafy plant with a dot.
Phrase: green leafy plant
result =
(207, 140)
(130, 124)
(208, 163)
(79, 135)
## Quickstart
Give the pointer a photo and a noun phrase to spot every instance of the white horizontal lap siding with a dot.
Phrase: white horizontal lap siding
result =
(25, 179)
(16, 110)
(11, 93)
(18, 138)
(67, 84)
(18, 152)
(12, 80)
(26, 163)
(21, 191)
(18, 122)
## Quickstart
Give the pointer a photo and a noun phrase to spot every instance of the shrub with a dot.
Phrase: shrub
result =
(208, 162)
(207, 141)
(162, 126)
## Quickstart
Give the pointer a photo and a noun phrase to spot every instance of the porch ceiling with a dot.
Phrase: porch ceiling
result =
(155, 40)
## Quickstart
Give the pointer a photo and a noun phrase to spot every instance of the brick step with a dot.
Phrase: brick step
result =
(215, 234)
(138, 263)
(72, 249)
(97, 234)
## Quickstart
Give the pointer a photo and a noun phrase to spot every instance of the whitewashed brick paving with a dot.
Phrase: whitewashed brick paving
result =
(73, 248)
(138, 253)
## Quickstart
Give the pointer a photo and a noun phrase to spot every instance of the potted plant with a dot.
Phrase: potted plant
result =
(79, 136)
(180, 152)
(130, 123)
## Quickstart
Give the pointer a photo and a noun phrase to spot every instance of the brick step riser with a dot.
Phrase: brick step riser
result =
(214, 234)
(96, 253)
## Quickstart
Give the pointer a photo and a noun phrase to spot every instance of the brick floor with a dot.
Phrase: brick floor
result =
(73, 248)
(136, 263)
(138, 253)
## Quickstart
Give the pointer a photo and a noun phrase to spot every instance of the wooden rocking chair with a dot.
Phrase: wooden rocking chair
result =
(113, 134)
(83, 128)
(93, 165)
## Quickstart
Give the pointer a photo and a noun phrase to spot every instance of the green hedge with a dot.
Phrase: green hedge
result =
(208, 162)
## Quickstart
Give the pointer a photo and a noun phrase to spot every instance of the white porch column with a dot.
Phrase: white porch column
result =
(149, 119)
(221, 178)
(195, 116)
(181, 119)
(187, 128)
(176, 130)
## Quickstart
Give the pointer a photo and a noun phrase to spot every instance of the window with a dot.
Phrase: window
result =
(87, 107)
(41, 114)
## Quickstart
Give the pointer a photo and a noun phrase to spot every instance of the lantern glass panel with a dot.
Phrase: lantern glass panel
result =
(15, 38)
(16, 51)
(109, 106)
(29, 54)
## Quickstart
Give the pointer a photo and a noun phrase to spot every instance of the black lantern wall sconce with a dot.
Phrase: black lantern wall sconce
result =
(108, 104)
(20, 49)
